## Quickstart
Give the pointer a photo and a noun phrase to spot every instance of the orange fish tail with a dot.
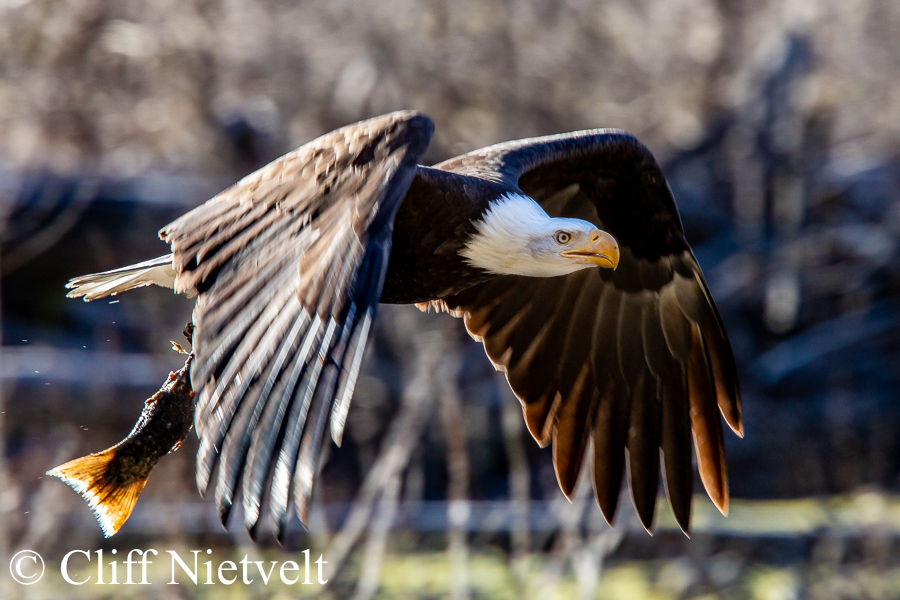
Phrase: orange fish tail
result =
(110, 498)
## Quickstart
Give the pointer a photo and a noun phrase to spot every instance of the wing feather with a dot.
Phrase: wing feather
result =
(610, 435)
(307, 464)
(233, 456)
(347, 380)
(577, 348)
(604, 341)
(522, 295)
(284, 461)
(636, 359)
(573, 425)
(269, 432)
(676, 446)
(246, 360)
(629, 340)
(288, 263)
(707, 428)
(644, 434)
(676, 328)
(696, 303)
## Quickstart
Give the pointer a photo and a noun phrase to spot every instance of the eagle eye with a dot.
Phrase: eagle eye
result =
(563, 237)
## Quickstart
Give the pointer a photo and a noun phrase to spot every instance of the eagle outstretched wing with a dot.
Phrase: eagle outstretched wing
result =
(289, 264)
(635, 359)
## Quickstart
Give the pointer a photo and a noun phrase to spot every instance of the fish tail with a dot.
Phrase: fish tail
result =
(110, 498)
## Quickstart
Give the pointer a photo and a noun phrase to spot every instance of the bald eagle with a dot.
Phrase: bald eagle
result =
(565, 256)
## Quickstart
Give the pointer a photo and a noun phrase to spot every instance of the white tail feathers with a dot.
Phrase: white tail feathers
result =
(110, 495)
(158, 271)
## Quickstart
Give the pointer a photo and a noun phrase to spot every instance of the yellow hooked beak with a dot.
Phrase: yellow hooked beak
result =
(600, 249)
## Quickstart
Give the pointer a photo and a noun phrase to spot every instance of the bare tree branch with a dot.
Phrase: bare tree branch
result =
(370, 578)
(458, 509)
(519, 483)
(405, 430)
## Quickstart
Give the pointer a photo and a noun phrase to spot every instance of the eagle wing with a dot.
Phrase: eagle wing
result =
(635, 359)
(289, 264)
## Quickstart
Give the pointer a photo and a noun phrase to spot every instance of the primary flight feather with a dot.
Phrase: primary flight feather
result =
(564, 255)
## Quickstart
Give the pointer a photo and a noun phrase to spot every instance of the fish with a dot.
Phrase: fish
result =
(111, 481)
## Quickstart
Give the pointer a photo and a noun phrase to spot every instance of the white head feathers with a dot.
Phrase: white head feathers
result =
(516, 237)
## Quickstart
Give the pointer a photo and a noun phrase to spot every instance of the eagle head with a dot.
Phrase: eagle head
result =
(515, 236)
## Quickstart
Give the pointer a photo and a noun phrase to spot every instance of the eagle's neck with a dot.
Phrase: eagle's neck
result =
(434, 222)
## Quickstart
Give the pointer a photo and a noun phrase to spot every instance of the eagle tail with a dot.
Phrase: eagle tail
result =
(109, 497)
(158, 271)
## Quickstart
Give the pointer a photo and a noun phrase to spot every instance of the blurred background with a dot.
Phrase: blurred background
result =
(777, 124)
